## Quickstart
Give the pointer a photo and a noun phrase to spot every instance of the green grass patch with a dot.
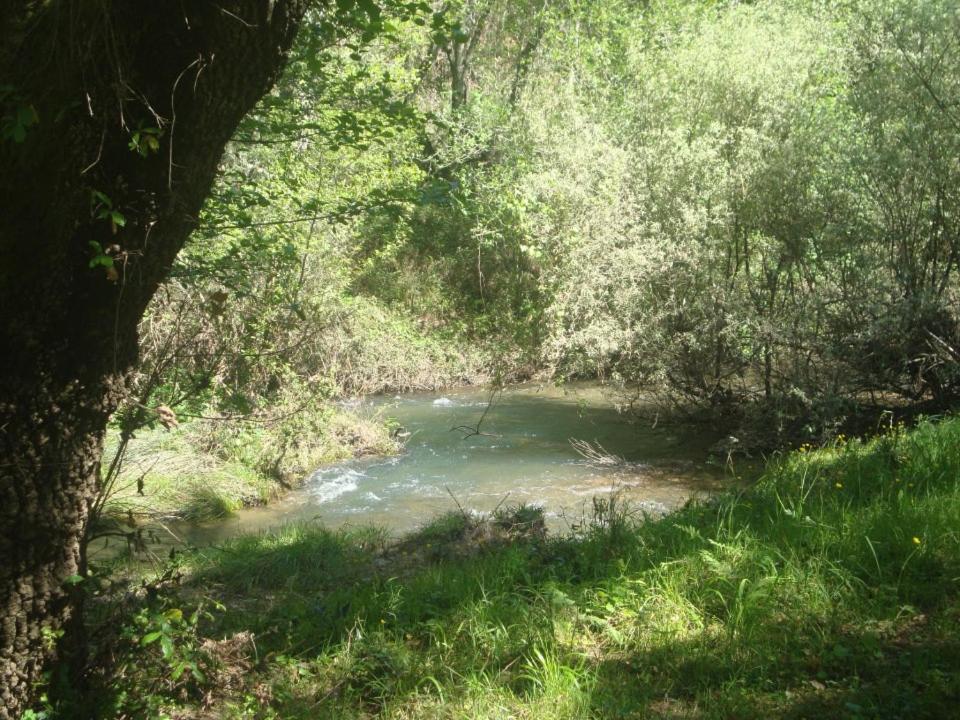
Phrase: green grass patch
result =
(206, 470)
(829, 589)
(289, 449)
(164, 473)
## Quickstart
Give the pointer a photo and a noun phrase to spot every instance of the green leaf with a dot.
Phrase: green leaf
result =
(26, 115)
(150, 638)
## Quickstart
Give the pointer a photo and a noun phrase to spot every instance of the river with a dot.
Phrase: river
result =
(523, 454)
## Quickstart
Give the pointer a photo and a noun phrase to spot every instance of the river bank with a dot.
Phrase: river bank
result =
(202, 471)
(554, 447)
(827, 589)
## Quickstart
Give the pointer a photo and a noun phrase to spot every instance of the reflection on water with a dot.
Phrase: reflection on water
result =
(523, 454)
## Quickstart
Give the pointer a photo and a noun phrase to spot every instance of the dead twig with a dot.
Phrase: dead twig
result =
(466, 515)
(470, 431)
(595, 453)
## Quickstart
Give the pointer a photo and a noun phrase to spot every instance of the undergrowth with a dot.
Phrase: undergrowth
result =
(828, 589)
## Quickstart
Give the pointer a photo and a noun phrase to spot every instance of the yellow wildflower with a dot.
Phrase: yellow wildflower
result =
(916, 541)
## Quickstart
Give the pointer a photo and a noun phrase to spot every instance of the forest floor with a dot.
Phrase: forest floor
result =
(827, 589)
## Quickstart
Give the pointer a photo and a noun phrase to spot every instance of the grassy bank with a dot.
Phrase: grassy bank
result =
(204, 470)
(827, 590)
(278, 423)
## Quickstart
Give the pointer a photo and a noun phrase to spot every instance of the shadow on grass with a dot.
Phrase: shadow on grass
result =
(914, 674)
(827, 591)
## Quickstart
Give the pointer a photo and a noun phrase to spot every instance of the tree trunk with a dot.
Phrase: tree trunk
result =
(92, 214)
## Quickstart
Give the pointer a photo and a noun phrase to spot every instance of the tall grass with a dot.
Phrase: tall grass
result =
(829, 589)
(206, 470)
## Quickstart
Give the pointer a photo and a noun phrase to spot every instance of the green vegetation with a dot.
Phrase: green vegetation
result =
(181, 480)
(829, 589)
(205, 470)
(748, 212)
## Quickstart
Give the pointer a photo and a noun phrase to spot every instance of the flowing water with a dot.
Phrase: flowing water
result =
(522, 454)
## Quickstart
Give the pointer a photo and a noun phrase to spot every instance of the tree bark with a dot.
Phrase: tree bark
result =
(84, 79)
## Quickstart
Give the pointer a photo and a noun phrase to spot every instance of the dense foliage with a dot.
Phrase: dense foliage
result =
(734, 205)
(744, 208)
(730, 203)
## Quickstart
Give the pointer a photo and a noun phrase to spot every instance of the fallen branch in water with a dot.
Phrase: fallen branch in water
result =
(595, 453)
(470, 431)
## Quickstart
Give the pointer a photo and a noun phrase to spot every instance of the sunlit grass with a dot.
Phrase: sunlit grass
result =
(204, 471)
(827, 590)
(165, 474)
